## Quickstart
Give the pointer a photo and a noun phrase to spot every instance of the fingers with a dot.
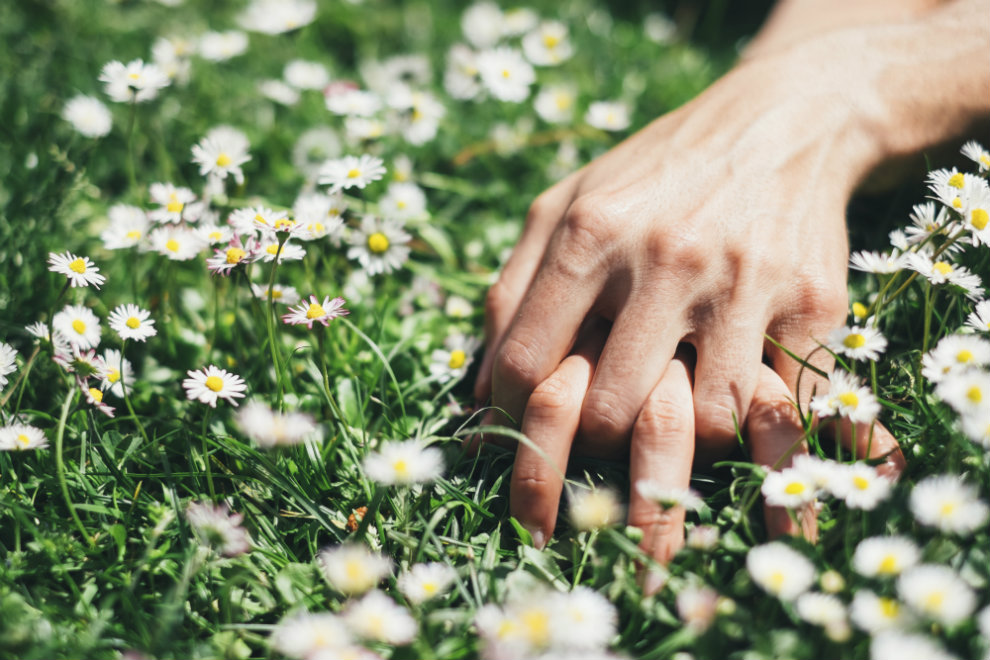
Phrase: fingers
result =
(775, 434)
(550, 422)
(505, 295)
(662, 451)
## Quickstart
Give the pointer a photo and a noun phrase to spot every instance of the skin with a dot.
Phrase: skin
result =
(631, 318)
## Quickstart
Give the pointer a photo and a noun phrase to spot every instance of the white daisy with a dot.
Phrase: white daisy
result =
(319, 216)
(696, 607)
(968, 392)
(268, 428)
(128, 226)
(79, 326)
(403, 463)
(780, 570)
(423, 582)
(608, 115)
(955, 354)
(876, 614)
(820, 609)
(235, 253)
(131, 322)
(900, 645)
(378, 618)
(659, 28)
(593, 509)
(311, 635)
(134, 82)
(79, 270)
(555, 104)
(858, 343)
(949, 504)
(822, 473)
(221, 153)
(457, 307)
(88, 116)
(212, 234)
(979, 318)
(936, 592)
(505, 74)
(351, 172)
(353, 103)
(791, 488)
(977, 428)
(420, 115)
(217, 527)
(269, 248)
(403, 201)
(176, 243)
(212, 383)
(976, 214)
(952, 187)
(482, 24)
(875, 262)
(452, 361)
(94, 397)
(177, 204)
(975, 152)
(115, 372)
(518, 21)
(280, 293)
(669, 498)
(461, 78)
(316, 312)
(221, 46)
(304, 74)
(926, 220)
(943, 272)
(702, 537)
(861, 486)
(548, 44)
(846, 398)
(379, 245)
(279, 91)
(8, 362)
(885, 556)
(277, 16)
(353, 569)
(19, 437)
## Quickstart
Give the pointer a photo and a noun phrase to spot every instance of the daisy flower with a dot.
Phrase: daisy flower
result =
(420, 118)
(943, 272)
(19, 437)
(976, 213)
(279, 91)
(285, 294)
(977, 428)
(115, 372)
(211, 234)
(900, 645)
(216, 527)
(505, 74)
(379, 245)
(212, 383)
(221, 46)
(482, 24)
(593, 509)
(669, 498)
(351, 172)
(88, 116)
(979, 318)
(353, 569)
(423, 582)
(378, 618)
(131, 322)
(876, 614)
(221, 153)
(885, 556)
(936, 592)
(779, 570)
(951, 187)
(403, 201)
(608, 115)
(268, 428)
(858, 343)
(820, 609)
(702, 537)
(79, 270)
(134, 82)
(94, 397)
(303, 74)
(696, 607)
(403, 463)
(975, 152)
(177, 204)
(926, 219)
(176, 243)
(949, 504)
(822, 473)
(128, 225)
(268, 249)
(8, 362)
(548, 44)
(318, 215)
(83, 363)
(878, 263)
(353, 103)
(235, 254)
(584, 620)
(312, 635)
(555, 104)
(955, 354)
(452, 361)
(846, 398)
(316, 312)
(518, 21)
(967, 392)
(461, 79)
(790, 488)
(277, 16)
(78, 325)
(860, 486)
(457, 307)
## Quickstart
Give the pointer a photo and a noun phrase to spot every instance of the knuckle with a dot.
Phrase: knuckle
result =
(497, 298)
(529, 485)
(662, 522)
(604, 416)
(823, 300)
(540, 209)
(665, 418)
(589, 225)
(550, 398)
(767, 413)
(516, 365)
(715, 419)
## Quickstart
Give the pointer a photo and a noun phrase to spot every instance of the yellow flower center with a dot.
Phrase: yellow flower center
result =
(223, 160)
(401, 467)
(947, 509)
(933, 602)
(96, 394)
(956, 203)
(457, 359)
(79, 326)
(550, 40)
(378, 242)
(861, 483)
(174, 205)
(536, 623)
(316, 227)
(133, 76)
(276, 293)
(354, 569)
(854, 340)
(133, 234)
(942, 267)
(113, 375)
(215, 383)
(889, 607)
(957, 180)
(234, 255)
(506, 73)
(78, 265)
(979, 218)
(215, 236)
(975, 394)
(23, 439)
(430, 587)
(964, 356)
(315, 311)
(776, 581)
(794, 488)
(563, 101)
(859, 310)
(272, 249)
(401, 204)
(284, 223)
(849, 399)
(133, 323)
(172, 245)
(888, 565)
(985, 160)
(353, 173)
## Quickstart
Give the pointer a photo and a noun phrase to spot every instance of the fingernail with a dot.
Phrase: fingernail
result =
(654, 581)
(539, 538)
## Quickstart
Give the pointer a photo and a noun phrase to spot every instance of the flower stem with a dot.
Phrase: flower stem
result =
(127, 398)
(70, 398)
(131, 167)
(270, 320)
(206, 456)
(369, 515)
